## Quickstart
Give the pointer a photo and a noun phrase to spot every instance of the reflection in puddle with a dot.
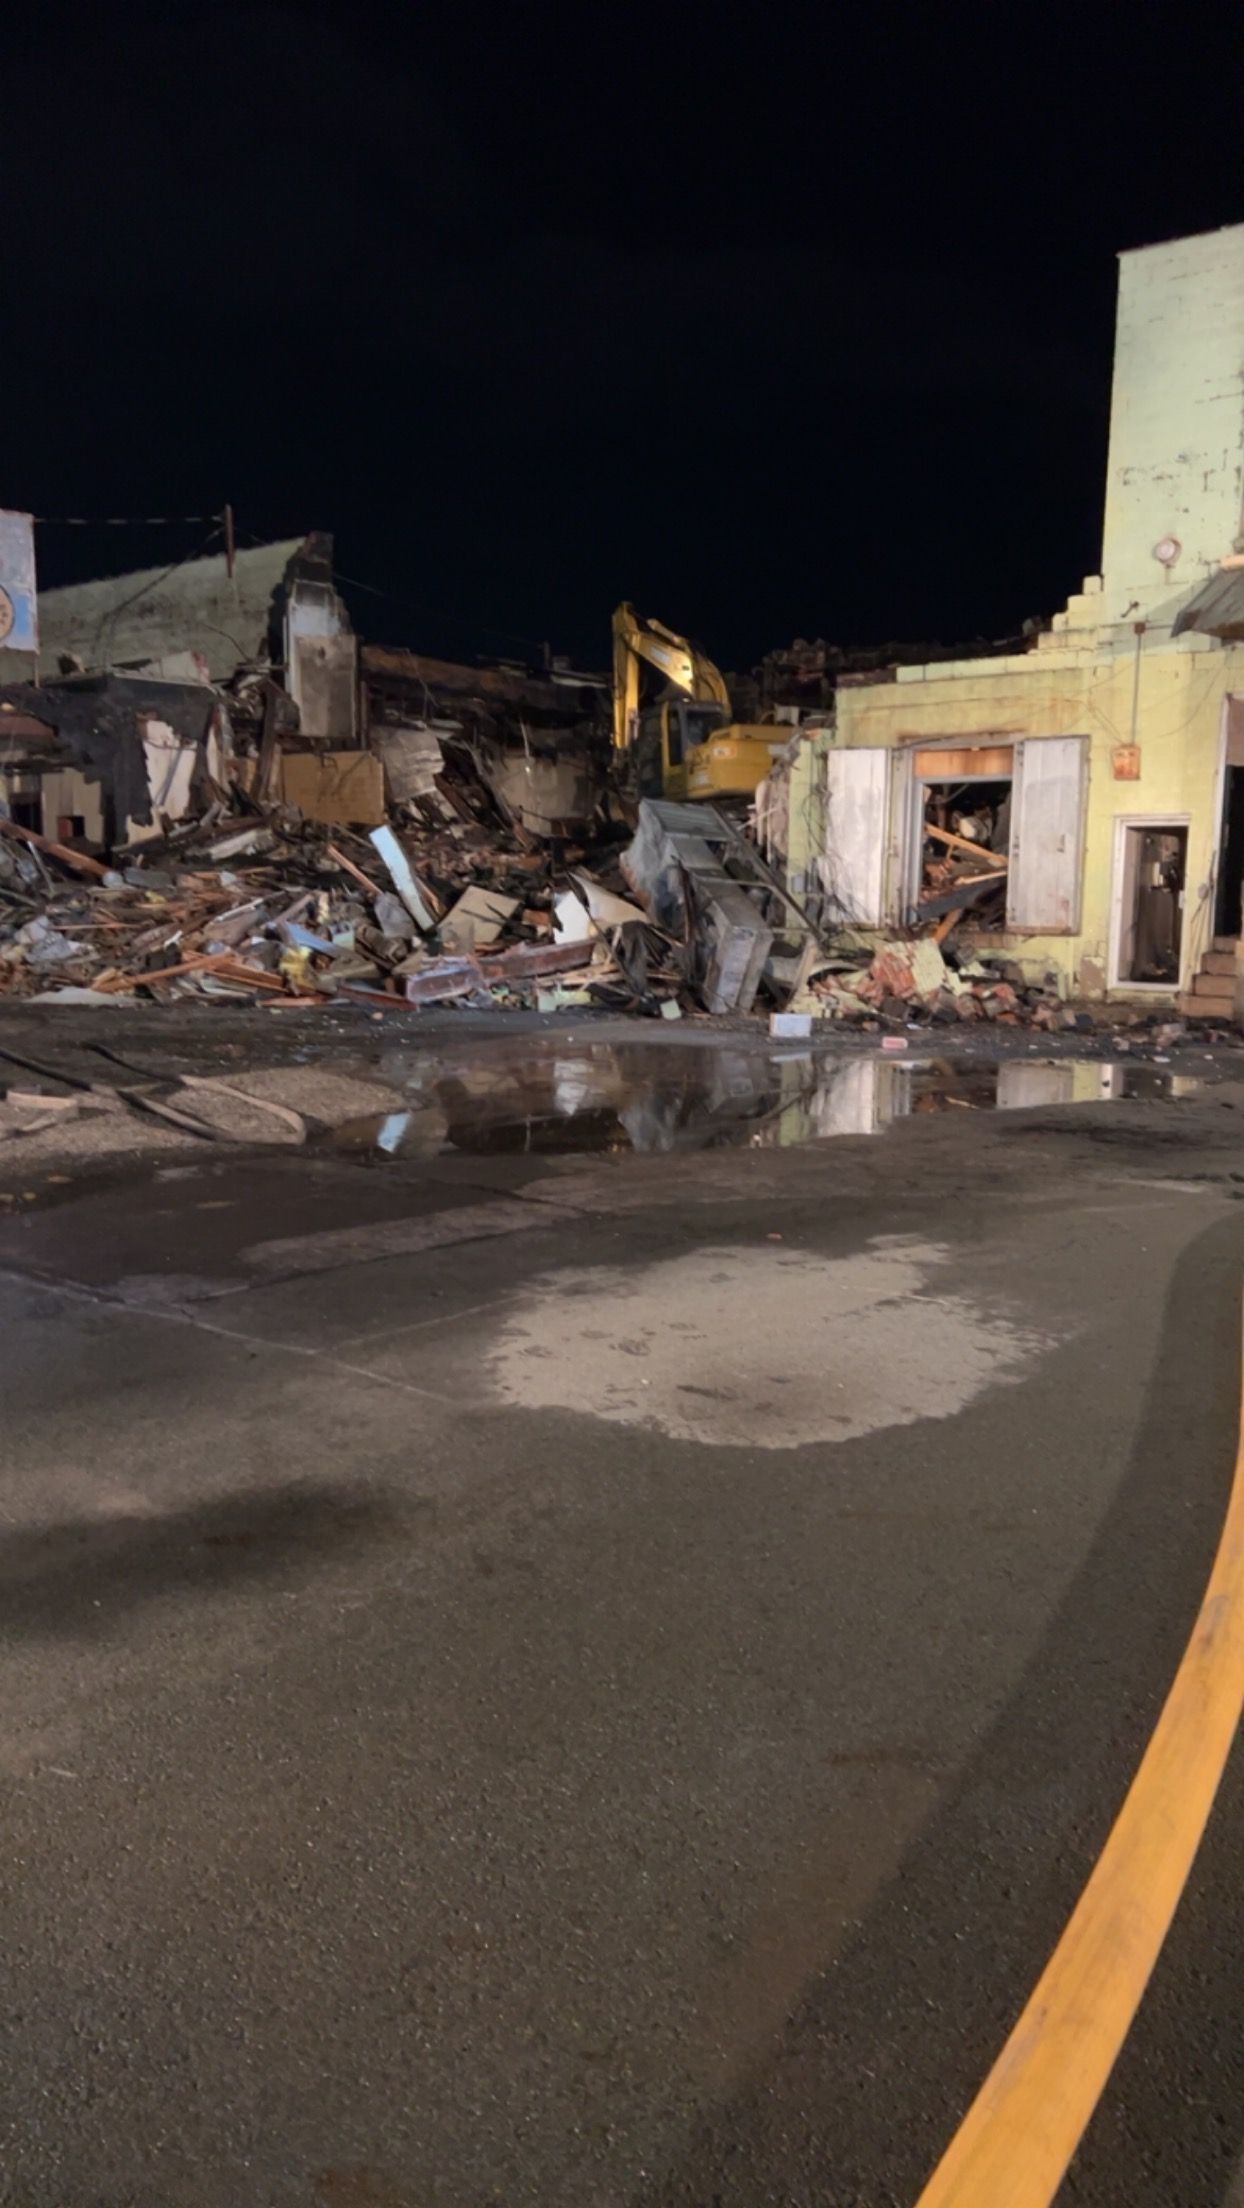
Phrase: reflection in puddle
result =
(651, 1097)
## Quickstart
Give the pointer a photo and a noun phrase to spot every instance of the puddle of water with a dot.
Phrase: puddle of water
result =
(599, 1098)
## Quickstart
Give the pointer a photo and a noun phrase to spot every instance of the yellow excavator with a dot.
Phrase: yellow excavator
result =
(685, 745)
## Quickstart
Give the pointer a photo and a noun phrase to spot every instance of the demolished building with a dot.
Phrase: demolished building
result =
(127, 718)
(538, 738)
(127, 662)
(100, 760)
(220, 793)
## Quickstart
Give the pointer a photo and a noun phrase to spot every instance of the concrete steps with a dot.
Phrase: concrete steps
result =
(1212, 995)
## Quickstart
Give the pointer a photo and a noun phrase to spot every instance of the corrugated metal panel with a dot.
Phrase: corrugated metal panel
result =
(1217, 608)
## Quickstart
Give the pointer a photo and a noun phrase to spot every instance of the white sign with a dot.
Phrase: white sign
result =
(19, 605)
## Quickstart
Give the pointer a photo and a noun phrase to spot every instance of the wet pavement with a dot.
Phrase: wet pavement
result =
(512, 1089)
(593, 1681)
(657, 1098)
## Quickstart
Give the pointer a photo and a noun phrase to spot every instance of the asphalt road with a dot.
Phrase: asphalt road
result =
(599, 1684)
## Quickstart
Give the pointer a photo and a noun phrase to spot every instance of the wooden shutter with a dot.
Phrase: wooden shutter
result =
(853, 868)
(1047, 834)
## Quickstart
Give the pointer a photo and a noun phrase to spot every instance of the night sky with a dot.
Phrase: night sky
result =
(778, 321)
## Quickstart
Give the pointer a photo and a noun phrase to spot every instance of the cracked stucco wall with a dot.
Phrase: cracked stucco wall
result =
(1176, 457)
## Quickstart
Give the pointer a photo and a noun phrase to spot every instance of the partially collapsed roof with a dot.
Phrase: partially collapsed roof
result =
(126, 620)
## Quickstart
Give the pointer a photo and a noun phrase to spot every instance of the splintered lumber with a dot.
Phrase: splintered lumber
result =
(960, 843)
(222, 963)
(25, 1100)
(61, 851)
(114, 984)
(269, 744)
(249, 977)
(969, 890)
(379, 999)
(348, 867)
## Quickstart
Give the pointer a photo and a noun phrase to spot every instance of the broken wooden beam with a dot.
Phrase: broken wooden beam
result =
(114, 984)
(348, 867)
(960, 843)
(61, 851)
(966, 892)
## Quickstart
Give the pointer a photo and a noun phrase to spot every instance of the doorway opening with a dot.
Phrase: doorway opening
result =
(1230, 896)
(965, 844)
(1152, 866)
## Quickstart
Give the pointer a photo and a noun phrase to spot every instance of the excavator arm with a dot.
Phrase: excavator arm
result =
(637, 643)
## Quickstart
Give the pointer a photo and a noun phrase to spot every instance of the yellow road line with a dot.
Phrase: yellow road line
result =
(1013, 2146)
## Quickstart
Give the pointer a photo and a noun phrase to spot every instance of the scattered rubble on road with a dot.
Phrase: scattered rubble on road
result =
(912, 982)
(96, 1103)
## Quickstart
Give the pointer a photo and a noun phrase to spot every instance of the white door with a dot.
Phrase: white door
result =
(1022, 1084)
(1047, 834)
(845, 1101)
(853, 868)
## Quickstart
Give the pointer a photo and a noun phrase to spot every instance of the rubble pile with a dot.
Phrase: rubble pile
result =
(451, 903)
(961, 876)
(907, 982)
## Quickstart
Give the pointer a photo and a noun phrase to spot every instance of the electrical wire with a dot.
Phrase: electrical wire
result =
(123, 521)
(440, 613)
(108, 620)
(468, 622)
(1109, 674)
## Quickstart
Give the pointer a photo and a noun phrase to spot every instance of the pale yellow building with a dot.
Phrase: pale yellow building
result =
(1108, 761)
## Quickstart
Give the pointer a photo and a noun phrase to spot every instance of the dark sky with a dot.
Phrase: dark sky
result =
(776, 320)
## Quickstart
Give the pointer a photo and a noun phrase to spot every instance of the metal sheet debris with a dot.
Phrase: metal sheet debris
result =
(402, 876)
(478, 919)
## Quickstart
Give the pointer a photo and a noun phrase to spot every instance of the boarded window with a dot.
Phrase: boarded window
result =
(853, 868)
(1047, 835)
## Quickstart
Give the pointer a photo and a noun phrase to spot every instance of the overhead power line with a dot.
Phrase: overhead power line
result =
(124, 521)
